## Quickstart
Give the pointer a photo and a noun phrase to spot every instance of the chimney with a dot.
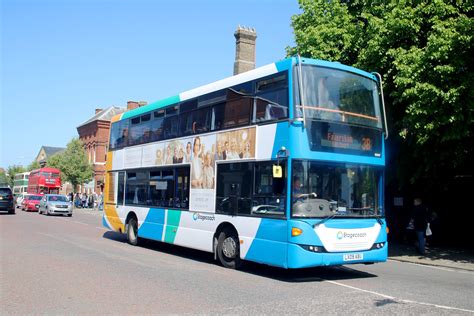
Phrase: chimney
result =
(97, 110)
(132, 105)
(244, 49)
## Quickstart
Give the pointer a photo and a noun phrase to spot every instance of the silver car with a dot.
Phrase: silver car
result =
(52, 204)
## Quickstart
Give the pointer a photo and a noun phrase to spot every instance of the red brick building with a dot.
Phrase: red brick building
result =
(94, 133)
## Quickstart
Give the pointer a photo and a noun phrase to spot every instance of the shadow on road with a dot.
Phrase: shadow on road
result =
(115, 236)
(317, 274)
(458, 255)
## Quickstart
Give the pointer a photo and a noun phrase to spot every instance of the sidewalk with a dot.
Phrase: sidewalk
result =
(442, 257)
(94, 211)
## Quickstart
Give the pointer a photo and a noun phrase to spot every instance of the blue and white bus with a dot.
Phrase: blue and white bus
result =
(282, 165)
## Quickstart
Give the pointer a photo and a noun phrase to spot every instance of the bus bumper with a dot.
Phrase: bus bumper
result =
(301, 258)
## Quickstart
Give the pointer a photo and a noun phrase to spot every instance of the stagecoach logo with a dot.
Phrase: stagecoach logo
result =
(197, 216)
(341, 235)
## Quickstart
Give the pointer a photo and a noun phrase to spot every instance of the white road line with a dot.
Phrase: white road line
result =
(79, 222)
(398, 299)
(101, 228)
(459, 270)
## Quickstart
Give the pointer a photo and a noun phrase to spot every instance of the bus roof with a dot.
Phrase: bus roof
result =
(23, 173)
(237, 79)
(46, 169)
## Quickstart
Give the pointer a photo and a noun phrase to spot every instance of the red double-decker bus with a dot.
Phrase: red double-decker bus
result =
(44, 181)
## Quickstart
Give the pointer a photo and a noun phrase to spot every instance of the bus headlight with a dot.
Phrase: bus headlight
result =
(313, 248)
(378, 245)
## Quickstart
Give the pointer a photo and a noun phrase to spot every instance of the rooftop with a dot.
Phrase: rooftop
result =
(104, 115)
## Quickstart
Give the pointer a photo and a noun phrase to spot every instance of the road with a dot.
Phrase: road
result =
(74, 266)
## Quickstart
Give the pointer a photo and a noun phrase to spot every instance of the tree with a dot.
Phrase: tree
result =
(3, 178)
(423, 49)
(33, 165)
(73, 163)
(12, 171)
(56, 161)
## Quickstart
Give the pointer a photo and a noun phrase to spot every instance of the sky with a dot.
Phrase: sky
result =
(60, 60)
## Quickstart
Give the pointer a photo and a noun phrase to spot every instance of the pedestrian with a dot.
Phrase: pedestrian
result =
(84, 200)
(420, 218)
(90, 201)
(101, 201)
(77, 200)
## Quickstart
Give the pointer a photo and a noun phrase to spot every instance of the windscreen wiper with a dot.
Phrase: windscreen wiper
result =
(379, 219)
(325, 220)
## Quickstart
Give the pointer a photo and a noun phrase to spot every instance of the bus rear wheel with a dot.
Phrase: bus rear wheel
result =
(132, 232)
(228, 250)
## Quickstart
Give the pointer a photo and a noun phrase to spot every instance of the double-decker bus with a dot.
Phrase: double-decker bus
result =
(282, 165)
(20, 183)
(44, 181)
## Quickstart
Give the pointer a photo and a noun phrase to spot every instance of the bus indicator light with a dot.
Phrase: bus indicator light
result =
(296, 231)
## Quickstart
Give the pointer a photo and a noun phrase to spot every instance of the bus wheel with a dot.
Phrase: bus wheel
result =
(228, 250)
(132, 232)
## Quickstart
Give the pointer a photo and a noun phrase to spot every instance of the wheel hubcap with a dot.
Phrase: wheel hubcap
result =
(229, 247)
(131, 233)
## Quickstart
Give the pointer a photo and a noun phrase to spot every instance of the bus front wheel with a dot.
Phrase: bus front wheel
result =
(132, 232)
(228, 250)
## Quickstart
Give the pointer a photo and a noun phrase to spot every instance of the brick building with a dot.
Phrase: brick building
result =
(94, 133)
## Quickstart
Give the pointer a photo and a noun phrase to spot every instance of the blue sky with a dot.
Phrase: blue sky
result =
(60, 60)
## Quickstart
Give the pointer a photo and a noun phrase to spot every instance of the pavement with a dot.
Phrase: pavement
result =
(435, 256)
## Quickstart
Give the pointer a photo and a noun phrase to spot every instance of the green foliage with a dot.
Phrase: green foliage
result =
(12, 171)
(32, 166)
(56, 161)
(3, 179)
(424, 51)
(325, 30)
(73, 163)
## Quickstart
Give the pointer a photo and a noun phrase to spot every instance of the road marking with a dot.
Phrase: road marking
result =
(459, 270)
(398, 299)
(79, 222)
(101, 228)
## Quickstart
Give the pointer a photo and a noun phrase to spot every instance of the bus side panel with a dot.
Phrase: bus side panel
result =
(172, 223)
(111, 219)
(152, 226)
(270, 244)
(196, 230)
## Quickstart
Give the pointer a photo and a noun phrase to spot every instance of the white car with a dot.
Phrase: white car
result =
(19, 199)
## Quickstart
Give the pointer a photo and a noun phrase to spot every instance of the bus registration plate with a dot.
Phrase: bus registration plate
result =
(353, 256)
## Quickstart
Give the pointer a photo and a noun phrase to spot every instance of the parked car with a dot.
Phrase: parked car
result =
(19, 199)
(6, 200)
(31, 202)
(52, 204)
